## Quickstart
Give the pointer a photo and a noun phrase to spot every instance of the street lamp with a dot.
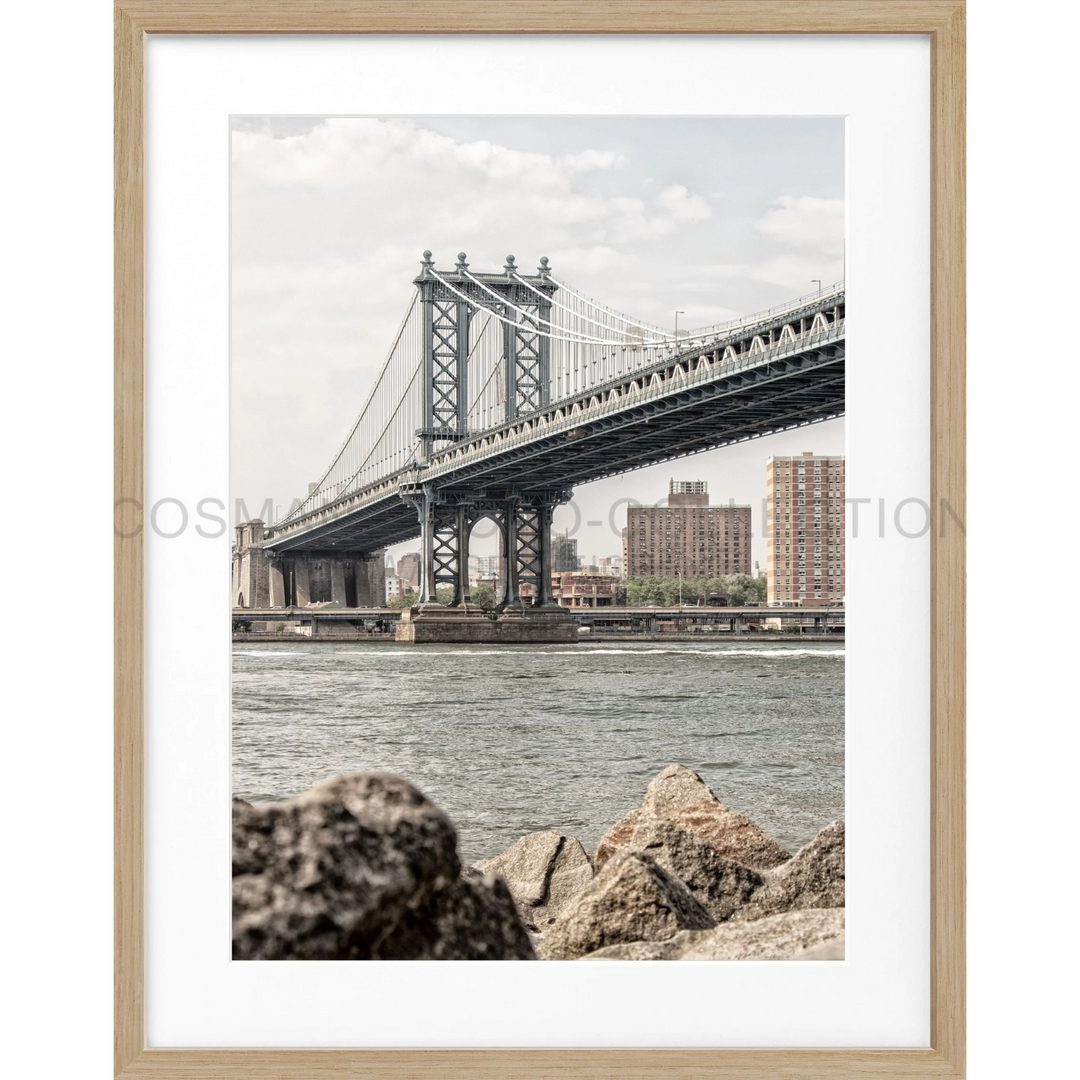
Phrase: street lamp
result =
(677, 314)
(817, 282)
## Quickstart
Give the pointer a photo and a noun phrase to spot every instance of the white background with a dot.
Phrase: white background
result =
(880, 996)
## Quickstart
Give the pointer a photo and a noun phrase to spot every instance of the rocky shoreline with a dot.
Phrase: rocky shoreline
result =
(365, 867)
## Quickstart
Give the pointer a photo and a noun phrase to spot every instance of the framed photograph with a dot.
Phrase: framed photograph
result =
(502, 530)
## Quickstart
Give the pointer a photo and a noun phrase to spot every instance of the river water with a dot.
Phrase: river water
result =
(511, 739)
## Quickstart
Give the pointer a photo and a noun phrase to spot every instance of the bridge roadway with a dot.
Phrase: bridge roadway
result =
(758, 379)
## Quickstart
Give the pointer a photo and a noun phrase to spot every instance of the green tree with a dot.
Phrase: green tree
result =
(743, 589)
(483, 596)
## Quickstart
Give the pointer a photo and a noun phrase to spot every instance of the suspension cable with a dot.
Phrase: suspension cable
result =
(363, 411)
(583, 337)
(644, 327)
(579, 340)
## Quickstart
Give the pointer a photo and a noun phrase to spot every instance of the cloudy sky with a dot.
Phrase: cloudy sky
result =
(714, 217)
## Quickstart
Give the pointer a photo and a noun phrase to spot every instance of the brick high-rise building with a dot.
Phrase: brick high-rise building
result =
(805, 528)
(687, 537)
(564, 556)
(408, 569)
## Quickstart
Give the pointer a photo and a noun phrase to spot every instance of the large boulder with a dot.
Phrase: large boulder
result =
(814, 878)
(473, 918)
(680, 797)
(722, 885)
(632, 899)
(793, 935)
(361, 867)
(544, 871)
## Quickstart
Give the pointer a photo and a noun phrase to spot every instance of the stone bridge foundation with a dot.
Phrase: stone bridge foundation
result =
(262, 578)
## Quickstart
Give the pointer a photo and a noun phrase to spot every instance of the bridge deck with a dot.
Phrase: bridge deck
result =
(680, 406)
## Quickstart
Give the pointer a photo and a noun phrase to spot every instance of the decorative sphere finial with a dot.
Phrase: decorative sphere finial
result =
(427, 259)
(543, 267)
(461, 263)
(510, 267)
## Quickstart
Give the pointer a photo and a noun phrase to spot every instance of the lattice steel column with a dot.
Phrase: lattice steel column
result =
(526, 352)
(446, 360)
(529, 563)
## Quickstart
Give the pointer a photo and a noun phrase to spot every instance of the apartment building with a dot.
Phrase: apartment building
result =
(687, 537)
(805, 527)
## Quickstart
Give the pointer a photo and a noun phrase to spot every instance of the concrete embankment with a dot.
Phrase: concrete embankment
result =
(711, 639)
(365, 867)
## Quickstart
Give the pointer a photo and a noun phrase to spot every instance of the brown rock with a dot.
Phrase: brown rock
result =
(814, 878)
(778, 937)
(722, 885)
(679, 796)
(631, 899)
(616, 838)
(545, 871)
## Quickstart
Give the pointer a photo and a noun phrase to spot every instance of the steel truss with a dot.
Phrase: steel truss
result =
(449, 299)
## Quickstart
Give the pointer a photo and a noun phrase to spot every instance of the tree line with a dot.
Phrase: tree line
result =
(732, 589)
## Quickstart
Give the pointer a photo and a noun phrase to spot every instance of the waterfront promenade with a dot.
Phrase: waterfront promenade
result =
(639, 623)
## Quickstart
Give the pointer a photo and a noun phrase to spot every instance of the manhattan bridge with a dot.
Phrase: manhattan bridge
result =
(501, 392)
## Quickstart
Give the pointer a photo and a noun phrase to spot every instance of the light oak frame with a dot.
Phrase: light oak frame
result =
(943, 21)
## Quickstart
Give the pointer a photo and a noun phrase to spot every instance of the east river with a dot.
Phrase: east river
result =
(510, 739)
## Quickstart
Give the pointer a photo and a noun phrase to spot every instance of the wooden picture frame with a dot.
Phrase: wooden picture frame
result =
(943, 22)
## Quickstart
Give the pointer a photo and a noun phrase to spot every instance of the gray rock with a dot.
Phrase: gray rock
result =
(359, 867)
(631, 899)
(545, 871)
(814, 878)
(722, 885)
(777, 937)
(827, 950)
(473, 918)
(680, 797)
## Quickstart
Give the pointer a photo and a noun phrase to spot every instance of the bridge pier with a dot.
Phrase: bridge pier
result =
(301, 577)
(277, 585)
(462, 529)
(524, 521)
(508, 546)
(264, 578)
(337, 583)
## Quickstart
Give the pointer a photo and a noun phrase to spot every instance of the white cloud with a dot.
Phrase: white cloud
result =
(593, 159)
(682, 205)
(806, 222)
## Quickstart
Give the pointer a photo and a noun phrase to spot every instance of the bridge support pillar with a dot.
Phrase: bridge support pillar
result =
(302, 577)
(337, 582)
(511, 596)
(462, 528)
(426, 510)
(544, 595)
(277, 585)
